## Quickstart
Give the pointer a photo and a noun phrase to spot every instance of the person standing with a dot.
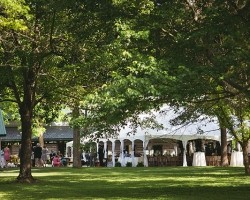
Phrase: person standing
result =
(2, 160)
(45, 153)
(19, 155)
(6, 151)
(33, 157)
(101, 155)
(38, 155)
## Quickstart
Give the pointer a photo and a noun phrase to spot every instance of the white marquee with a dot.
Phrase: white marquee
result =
(203, 128)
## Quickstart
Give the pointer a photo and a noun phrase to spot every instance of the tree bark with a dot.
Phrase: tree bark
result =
(26, 112)
(41, 139)
(224, 158)
(25, 154)
(76, 140)
(245, 157)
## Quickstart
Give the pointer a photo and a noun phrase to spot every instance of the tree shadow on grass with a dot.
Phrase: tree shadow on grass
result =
(132, 190)
(131, 183)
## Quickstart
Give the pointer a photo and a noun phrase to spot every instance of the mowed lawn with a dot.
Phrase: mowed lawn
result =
(185, 183)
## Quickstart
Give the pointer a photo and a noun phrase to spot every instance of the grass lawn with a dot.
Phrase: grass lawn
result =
(185, 183)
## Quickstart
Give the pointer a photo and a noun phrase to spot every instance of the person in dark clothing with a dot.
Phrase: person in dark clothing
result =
(101, 155)
(38, 155)
(87, 156)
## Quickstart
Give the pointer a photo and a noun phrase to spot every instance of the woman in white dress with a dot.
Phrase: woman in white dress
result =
(44, 157)
(2, 160)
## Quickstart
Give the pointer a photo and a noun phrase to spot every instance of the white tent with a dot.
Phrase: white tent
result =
(203, 128)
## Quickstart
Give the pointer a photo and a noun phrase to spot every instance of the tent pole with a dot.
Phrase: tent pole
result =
(184, 142)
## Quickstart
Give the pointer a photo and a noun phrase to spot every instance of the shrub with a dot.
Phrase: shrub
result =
(140, 164)
(129, 164)
(118, 164)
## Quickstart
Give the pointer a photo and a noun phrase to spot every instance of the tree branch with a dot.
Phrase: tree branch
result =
(9, 100)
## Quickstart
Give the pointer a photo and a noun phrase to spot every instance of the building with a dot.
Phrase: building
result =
(55, 137)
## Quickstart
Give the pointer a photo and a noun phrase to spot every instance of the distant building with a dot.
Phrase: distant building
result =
(55, 138)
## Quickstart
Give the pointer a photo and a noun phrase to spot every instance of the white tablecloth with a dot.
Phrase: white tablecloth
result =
(129, 159)
(199, 159)
(236, 159)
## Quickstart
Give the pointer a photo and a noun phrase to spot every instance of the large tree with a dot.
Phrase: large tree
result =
(52, 61)
(206, 47)
(28, 78)
(31, 61)
(185, 53)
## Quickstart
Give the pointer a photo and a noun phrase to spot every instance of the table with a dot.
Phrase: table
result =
(236, 159)
(129, 159)
(199, 159)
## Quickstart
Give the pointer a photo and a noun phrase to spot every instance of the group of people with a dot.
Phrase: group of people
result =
(40, 156)
(58, 160)
(89, 159)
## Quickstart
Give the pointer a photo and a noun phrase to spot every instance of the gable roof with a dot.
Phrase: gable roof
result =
(52, 133)
(58, 133)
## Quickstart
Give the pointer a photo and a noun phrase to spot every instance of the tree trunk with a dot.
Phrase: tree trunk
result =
(76, 140)
(26, 113)
(224, 158)
(245, 157)
(26, 144)
(41, 139)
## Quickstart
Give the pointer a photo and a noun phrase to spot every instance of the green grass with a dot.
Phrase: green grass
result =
(173, 183)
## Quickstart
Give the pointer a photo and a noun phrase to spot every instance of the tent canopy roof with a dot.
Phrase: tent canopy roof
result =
(203, 128)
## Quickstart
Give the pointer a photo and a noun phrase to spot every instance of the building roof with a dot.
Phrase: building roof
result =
(2, 127)
(58, 133)
(52, 133)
